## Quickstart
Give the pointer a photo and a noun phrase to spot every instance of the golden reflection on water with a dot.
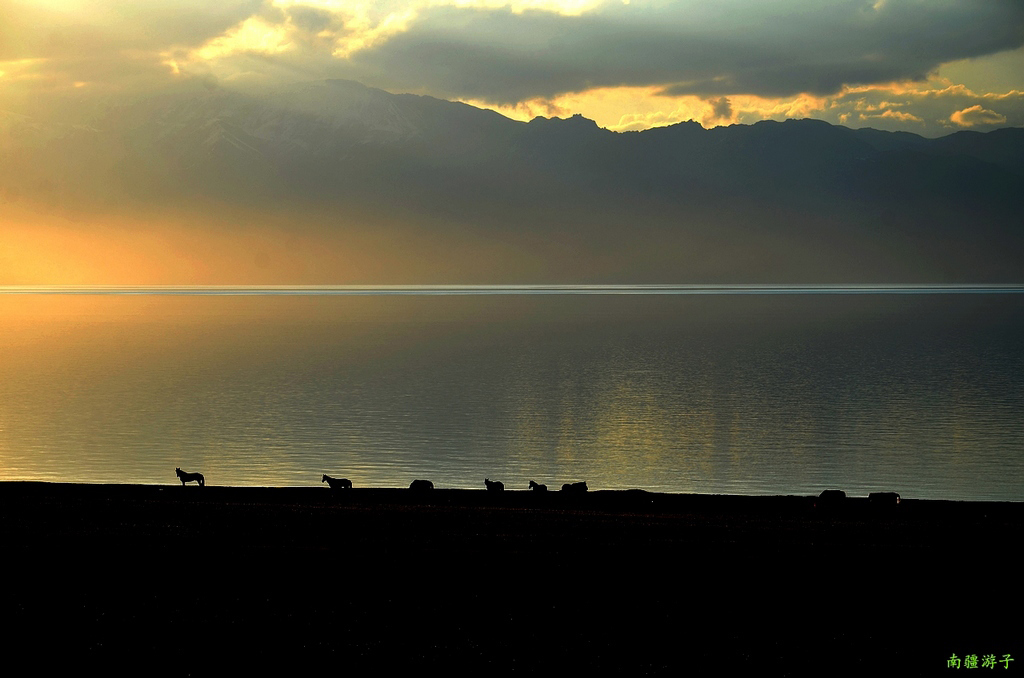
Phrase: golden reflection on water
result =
(668, 395)
(633, 431)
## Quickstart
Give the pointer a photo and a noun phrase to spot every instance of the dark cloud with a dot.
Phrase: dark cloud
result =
(103, 47)
(105, 44)
(311, 19)
(721, 108)
(771, 49)
(185, 23)
(29, 31)
(314, 28)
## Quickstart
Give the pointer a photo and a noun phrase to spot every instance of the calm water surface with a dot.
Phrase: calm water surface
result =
(750, 395)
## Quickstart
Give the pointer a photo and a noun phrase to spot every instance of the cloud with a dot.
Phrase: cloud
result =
(902, 116)
(774, 49)
(721, 108)
(854, 62)
(976, 115)
(106, 42)
(932, 108)
(924, 108)
(32, 31)
(314, 27)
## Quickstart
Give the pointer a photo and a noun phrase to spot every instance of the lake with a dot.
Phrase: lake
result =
(762, 394)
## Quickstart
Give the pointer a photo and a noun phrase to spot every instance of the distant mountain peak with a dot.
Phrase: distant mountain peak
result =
(576, 120)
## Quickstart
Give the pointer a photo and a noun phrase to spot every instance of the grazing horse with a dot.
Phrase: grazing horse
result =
(494, 486)
(575, 488)
(337, 483)
(190, 477)
(421, 485)
(538, 488)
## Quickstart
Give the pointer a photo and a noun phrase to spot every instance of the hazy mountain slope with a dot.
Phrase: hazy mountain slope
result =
(809, 196)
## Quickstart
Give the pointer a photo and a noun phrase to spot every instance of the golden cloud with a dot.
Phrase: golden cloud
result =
(976, 115)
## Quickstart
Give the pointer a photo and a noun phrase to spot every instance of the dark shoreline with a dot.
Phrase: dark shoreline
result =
(624, 581)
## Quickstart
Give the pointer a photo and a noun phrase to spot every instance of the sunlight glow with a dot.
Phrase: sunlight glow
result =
(255, 34)
(624, 109)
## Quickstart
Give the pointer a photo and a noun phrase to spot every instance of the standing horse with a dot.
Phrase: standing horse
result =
(337, 483)
(190, 477)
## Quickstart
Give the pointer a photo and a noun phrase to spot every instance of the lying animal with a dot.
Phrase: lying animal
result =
(190, 477)
(575, 487)
(830, 499)
(884, 498)
(421, 485)
(337, 483)
(538, 488)
(495, 486)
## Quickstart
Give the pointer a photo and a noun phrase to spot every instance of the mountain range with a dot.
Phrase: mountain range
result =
(792, 200)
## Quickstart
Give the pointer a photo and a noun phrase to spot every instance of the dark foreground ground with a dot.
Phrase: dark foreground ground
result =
(150, 580)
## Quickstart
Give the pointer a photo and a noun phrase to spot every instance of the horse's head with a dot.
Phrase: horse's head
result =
(324, 479)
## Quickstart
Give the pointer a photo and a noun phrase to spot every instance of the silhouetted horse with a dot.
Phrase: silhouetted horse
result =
(190, 477)
(337, 483)
(495, 486)
(421, 485)
(538, 488)
(575, 488)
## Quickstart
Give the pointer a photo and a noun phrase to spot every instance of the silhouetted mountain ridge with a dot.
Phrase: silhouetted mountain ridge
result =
(340, 145)
(337, 128)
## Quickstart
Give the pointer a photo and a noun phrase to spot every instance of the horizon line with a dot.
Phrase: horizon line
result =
(526, 289)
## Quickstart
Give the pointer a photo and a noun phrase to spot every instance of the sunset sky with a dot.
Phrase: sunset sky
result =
(82, 82)
(160, 147)
(930, 67)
